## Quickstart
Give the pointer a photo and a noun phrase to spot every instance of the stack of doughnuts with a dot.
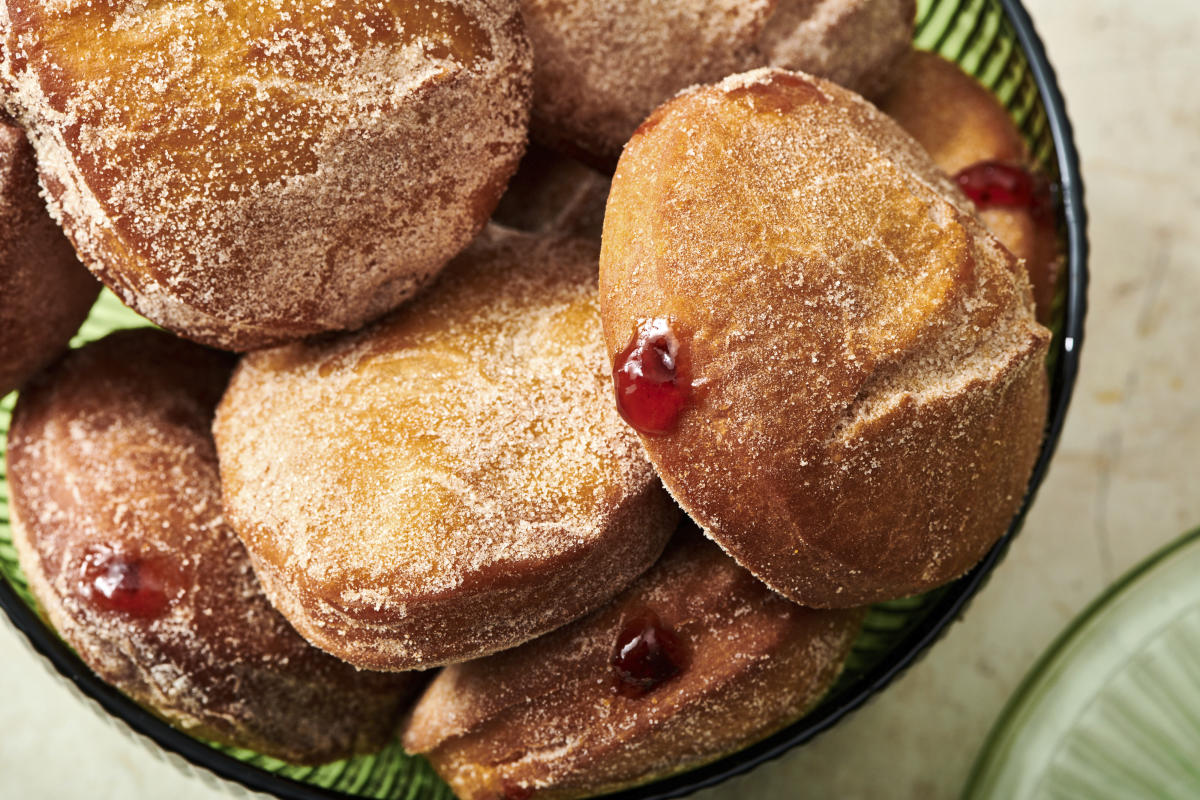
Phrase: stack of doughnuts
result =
(117, 516)
(623, 446)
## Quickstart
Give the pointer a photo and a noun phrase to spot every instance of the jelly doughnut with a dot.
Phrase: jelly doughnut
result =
(601, 66)
(970, 135)
(695, 660)
(244, 173)
(451, 481)
(46, 291)
(116, 513)
(833, 366)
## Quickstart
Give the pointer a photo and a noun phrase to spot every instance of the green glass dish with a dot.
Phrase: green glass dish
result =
(993, 40)
(1112, 710)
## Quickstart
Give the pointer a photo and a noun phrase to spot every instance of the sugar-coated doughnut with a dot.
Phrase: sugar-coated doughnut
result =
(116, 512)
(835, 368)
(695, 660)
(854, 43)
(45, 291)
(453, 480)
(244, 173)
(964, 127)
(601, 66)
(554, 194)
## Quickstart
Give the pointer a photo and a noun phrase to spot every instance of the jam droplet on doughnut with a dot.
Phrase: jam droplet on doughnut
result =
(651, 378)
(994, 183)
(128, 584)
(647, 655)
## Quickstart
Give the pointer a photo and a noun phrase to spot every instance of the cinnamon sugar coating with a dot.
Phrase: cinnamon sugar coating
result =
(870, 382)
(960, 123)
(110, 457)
(245, 172)
(601, 66)
(45, 291)
(854, 43)
(453, 480)
(544, 719)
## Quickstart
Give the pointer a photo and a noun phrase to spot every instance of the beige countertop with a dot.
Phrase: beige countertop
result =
(1125, 481)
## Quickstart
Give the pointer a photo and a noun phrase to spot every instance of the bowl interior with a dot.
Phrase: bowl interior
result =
(990, 39)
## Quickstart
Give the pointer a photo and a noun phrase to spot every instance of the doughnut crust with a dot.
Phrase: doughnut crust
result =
(868, 390)
(46, 291)
(960, 123)
(244, 173)
(112, 467)
(543, 720)
(854, 43)
(601, 66)
(451, 481)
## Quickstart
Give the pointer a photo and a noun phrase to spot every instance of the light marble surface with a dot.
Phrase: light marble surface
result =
(1125, 481)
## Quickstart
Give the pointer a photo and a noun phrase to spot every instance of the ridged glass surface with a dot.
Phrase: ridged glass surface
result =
(976, 34)
(1112, 711)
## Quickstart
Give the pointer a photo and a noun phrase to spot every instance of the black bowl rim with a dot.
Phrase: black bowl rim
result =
(946, 611)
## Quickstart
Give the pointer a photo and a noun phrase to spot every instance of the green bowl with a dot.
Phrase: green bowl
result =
(993, 40)
(1112, 710)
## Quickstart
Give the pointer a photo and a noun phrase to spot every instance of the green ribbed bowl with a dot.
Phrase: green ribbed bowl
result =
(991, 39)
(1112, 710)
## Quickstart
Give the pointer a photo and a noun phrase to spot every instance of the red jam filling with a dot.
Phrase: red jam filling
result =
(647, 655)
(992, 184)
(126, 584)
(651, 379)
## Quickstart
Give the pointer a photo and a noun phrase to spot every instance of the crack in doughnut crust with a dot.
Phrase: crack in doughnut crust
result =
(46, 291)
(244, 172)
(544, 717)
(453, 480)
(110, 456)
(961, 123)
(601, 66)
(873, 382)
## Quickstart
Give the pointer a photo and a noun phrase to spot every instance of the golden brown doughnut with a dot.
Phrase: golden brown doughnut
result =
(601, 66)
(244, 173)
(451, 481)
(961, 124)
(554, 194)
(695, 660)
(841, 376)
(46, 291)
(116, 512)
